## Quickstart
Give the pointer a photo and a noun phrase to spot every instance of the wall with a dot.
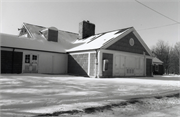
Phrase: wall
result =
(11, 62)
(126, 64)
(159, 71)
(82, 63)
(52, 63)
(149, 67)
(78, 64)
(92, 64)
(124, 45)
(109, 71)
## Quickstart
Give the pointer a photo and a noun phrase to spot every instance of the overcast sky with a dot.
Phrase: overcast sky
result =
(107, 15)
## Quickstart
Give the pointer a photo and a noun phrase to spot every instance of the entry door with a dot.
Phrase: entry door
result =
(31, 63)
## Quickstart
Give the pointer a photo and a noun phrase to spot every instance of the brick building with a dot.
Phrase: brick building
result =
(39, 49)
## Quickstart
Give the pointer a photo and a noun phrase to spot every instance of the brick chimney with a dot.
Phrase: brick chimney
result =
(86, 29)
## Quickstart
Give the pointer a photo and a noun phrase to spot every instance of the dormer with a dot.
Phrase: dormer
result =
(23, 32)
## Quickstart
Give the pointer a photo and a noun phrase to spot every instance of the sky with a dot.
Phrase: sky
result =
(153, 19)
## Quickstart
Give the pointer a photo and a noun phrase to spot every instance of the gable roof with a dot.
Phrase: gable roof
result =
(70, 42)
(157, 61)
(65, 38)
(104, 40)
(98, 41)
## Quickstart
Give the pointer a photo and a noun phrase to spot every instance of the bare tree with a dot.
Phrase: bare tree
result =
(177, 54)
(162, 51)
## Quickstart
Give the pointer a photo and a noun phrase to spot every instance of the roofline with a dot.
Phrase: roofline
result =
(114, 30)
(107, 44)
(24, 24)
(132, 29)
(33, 50)
(74, 51)
(47, 28)
(142, 42)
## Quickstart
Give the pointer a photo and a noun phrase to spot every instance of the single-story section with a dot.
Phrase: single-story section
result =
(23, 55)
(38, 49)
(158, 68)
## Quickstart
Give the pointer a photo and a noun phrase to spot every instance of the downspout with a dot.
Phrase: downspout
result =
(12, 66)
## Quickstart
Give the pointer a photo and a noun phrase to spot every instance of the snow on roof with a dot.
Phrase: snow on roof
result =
(156, 60)
(65, 38)
(29, 43)
(71, 42)
(98, 40)
(67, 41)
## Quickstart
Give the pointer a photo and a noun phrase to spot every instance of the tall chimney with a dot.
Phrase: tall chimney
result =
(86, 29)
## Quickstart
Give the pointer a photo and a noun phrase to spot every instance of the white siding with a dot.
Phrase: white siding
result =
(52, 63)
(127, 64)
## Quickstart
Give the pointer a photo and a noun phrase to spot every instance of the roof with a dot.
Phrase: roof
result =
(26, 43)
(98, 41)
(104, 40)
(157, 61)
(65, 38)
(67, 41)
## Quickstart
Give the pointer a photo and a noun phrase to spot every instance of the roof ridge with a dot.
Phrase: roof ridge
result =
(47, 27)
(114, 30)
(35, 25)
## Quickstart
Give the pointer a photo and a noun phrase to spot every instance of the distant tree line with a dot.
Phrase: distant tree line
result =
(170, 55)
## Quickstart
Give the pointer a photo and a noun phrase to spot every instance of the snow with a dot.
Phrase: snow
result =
(65, 38)
(28, 43)
(96, 41)
(67, 41)
(171, 75)
(156, 60)
(40, 93)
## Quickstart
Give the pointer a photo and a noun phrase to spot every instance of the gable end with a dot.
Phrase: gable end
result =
(125, 44)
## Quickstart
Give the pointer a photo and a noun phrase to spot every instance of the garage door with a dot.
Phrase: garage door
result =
(11, 62)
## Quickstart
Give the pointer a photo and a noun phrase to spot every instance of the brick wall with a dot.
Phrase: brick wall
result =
(123, 45)
(78, 64)
(11, 62)
(109, 71)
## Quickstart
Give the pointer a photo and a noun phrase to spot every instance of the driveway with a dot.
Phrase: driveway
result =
(32, 94)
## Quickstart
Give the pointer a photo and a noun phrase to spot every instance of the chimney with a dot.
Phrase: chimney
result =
(52, 34)
(86, 29)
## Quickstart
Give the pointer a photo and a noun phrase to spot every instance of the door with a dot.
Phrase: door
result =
(120, 65)
(117, 66)
(31, 63)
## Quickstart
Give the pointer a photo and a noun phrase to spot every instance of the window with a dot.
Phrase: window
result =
(27, 58)
(34, 57)
(156, 67)
(131, 41)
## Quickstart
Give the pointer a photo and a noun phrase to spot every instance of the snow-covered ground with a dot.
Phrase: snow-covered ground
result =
(39, 93)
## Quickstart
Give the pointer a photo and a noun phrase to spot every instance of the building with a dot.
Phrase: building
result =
(38, 49)
(158, 68)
